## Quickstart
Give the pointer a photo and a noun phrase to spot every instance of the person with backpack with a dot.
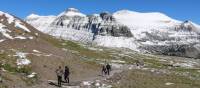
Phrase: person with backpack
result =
(104, 70)
(108, 68)
(59, 73)
(66, 74)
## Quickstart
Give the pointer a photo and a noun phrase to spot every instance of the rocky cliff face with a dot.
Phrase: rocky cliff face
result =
(100, 24)
(142, 32)
(182, 40)
(188, 26)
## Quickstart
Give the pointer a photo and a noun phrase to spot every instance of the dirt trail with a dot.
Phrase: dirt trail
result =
(91, 82)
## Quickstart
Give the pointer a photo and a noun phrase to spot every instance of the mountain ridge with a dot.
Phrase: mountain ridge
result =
(123, 29)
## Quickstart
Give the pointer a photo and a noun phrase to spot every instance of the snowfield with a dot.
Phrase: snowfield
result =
(144, 20)
(41, 22)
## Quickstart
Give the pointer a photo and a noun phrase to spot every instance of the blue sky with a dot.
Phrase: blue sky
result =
(178, 9)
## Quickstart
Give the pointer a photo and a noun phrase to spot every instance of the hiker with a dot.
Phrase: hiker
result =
(104, 70)
(108, 68)
(59, 73)
(66, 74)
(1, 80)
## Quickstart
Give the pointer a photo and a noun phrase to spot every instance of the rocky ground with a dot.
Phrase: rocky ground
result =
(154, 71)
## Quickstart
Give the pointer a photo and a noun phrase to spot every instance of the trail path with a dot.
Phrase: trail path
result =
(98, 81)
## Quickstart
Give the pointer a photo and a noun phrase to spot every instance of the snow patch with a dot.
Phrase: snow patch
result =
(39, 53)
(19, 24)
(117, 61)
(30, 37)
(36, 34)
(32, 75)
(2, 40)
(36, 51)
(22, 59)
(168, 83)
(95, 49)
(23, 62)
(87, 83)
(20, 37)
(97, 83)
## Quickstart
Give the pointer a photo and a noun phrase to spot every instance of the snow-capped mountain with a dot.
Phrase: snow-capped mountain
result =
(144, 32)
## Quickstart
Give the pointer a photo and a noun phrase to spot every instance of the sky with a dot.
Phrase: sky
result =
(177, 9)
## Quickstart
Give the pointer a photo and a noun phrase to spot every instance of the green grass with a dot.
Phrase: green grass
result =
(76, 47)
(145, 79)
(8, 63)
(191, 72)
(3, 86)
(10, 66)
(12, 69)
(155, 64)
(135, 78)
(3, 56)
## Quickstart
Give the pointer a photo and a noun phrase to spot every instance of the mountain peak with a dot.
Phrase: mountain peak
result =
(1, 12)
(33, 16)
(125, 12)
(72, 12)
(188, 23)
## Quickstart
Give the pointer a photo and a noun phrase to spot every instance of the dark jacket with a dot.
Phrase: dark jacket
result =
(66, 73)
(108, 67)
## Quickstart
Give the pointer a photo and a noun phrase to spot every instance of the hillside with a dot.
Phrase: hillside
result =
(29, 57)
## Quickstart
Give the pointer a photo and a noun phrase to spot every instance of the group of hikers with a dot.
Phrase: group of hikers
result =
(106, 69)
(60, 73)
